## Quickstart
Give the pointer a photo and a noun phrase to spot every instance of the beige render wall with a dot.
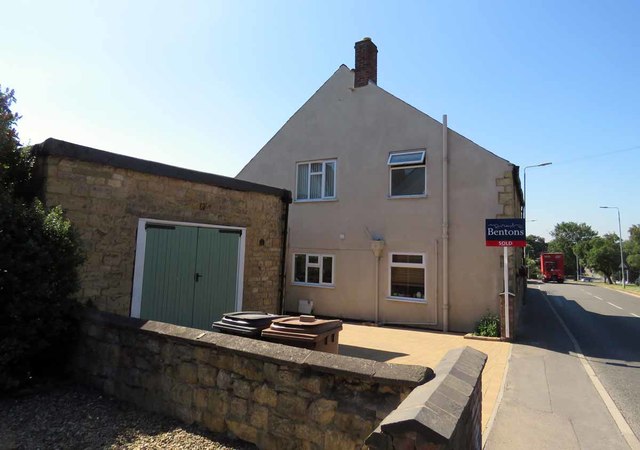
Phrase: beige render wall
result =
(360, 127)
(104, 203)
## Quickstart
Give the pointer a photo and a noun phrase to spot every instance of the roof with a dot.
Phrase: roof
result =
(56, 147)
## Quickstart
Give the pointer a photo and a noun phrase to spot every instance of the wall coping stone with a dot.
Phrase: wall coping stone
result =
(56, 147)
(394, 374)
(433, 410)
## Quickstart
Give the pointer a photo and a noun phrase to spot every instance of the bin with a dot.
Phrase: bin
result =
(305, 332)
(245, 323)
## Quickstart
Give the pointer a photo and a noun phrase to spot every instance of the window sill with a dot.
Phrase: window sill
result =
(316, 200)
(408, 300)
(324, 286)
(399, 197)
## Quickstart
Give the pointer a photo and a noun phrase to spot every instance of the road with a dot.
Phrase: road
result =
(606, 324)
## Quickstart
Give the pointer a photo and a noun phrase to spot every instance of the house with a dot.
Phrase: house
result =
(389, 207)
(165, 243)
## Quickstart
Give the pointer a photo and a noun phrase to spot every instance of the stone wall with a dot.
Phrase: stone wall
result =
(104, 198)
(509, 199)
(276, 396)
(443, 414)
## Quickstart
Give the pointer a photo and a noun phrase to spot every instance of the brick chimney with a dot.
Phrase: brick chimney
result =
(366, 62)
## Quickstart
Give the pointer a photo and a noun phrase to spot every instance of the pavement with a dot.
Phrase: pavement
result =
(606, 324)
(549, 400)
(426, 348)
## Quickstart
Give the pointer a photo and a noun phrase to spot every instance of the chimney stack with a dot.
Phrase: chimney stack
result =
(366, 62)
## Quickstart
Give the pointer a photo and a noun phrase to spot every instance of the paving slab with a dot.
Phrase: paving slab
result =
(426, 348)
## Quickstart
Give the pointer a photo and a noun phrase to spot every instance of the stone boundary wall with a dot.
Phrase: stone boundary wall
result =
(276, 396)
(443, 414)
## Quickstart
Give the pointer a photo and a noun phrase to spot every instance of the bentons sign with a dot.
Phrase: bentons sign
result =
(505, 233)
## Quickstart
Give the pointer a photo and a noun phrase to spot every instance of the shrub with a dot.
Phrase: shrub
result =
(489, 325)
(38, 258)
(39, 254)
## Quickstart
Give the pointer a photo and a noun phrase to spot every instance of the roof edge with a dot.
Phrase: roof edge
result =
(56, 147)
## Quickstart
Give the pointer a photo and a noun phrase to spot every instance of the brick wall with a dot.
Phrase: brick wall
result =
(105, 202)
(276, 396)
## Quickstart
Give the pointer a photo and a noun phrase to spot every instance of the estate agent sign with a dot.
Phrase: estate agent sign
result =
(505, 233)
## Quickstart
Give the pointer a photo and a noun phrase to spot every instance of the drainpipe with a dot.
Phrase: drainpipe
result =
(445, 225)
(286, 200)
(376, 247)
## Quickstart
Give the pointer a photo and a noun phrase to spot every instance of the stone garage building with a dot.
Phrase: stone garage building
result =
(167, 243)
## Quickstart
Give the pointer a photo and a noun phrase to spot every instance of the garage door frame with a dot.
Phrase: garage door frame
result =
(141, 241)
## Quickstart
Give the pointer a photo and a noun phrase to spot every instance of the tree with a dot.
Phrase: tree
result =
(566, 235)
(39, 254)
(535, 246)
(632, 252)
(604, 255)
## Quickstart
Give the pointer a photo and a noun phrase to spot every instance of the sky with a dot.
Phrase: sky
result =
(205, 84)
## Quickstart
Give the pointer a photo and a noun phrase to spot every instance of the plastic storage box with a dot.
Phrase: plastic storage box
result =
(305, 332)
(245, 323)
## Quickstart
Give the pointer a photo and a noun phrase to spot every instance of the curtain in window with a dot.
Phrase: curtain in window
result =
(303, 182)
(330, 179)
(407, 282)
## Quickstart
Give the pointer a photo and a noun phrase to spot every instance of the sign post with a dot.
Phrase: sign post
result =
(505, 233)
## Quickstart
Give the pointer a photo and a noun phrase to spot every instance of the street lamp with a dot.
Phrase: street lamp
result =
(524, 207)
(620, 233)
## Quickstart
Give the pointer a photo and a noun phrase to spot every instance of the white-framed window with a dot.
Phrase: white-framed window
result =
(316, 180)
(407, 174)
(407, 276)
(313, 270)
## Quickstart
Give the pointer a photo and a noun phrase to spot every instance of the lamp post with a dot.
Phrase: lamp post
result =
(524, 207)
(620, 234)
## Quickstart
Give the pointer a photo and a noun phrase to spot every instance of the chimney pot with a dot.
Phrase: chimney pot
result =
(366, 62)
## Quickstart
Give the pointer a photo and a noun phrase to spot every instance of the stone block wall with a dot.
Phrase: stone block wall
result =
(443, 414)
(508, 198)
(276, 396)
(105, 194)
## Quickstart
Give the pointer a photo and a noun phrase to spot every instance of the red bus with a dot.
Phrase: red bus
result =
(552, 267)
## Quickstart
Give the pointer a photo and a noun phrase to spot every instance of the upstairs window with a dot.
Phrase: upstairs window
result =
(316, 180)
(407, 174)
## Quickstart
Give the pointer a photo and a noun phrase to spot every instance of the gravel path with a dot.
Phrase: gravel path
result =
(76, 417)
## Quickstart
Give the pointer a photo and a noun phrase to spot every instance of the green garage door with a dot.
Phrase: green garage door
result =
(190, 274)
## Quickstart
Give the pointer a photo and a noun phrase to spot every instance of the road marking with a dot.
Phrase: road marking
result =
(615, 306)
(597, 297)
(617, 416)
(635, 315)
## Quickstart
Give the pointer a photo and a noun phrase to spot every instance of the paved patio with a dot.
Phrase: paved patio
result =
(426, 348)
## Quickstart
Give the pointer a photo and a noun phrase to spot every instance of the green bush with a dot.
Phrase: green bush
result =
(39, 255)
(38, 259)
(489, 325)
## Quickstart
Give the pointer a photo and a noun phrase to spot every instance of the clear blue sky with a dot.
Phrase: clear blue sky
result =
(204, 84)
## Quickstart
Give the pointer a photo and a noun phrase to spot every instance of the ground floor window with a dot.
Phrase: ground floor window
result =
(314, 270)
(407, 276)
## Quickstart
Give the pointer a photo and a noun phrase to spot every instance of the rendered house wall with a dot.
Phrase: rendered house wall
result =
(359, 127)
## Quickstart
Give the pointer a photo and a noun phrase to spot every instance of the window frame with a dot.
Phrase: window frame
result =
(323, 197)
(410, 165)
(408, 152)
(319, 264)
(423, 266)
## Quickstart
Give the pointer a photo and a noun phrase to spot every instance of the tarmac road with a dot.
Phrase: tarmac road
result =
(606, 324)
